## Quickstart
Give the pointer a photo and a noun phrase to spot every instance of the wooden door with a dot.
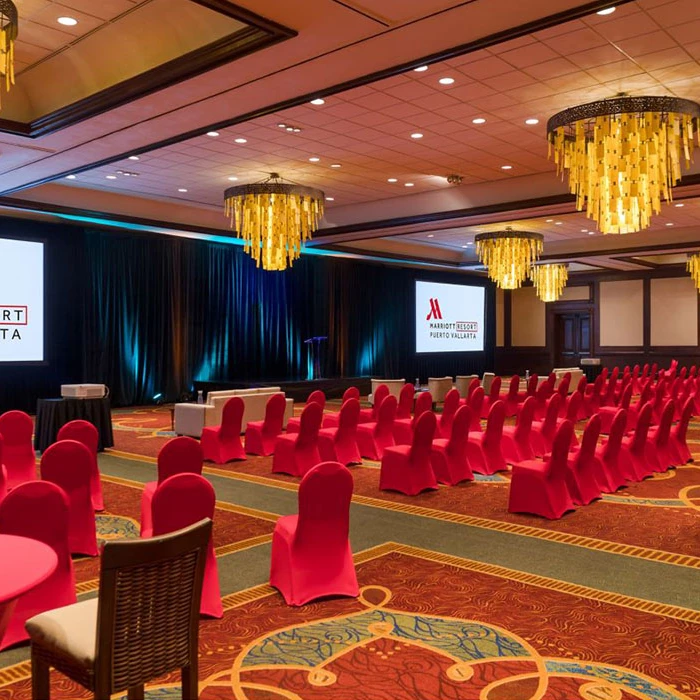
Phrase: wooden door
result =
(572, 338)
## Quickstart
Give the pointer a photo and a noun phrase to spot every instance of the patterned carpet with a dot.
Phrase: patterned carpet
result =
(429, 626)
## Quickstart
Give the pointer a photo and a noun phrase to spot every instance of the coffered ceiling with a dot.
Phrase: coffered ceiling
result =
(480, 110)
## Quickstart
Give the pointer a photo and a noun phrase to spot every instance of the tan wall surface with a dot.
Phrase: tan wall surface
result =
(527, 319)
(580, 293)
(500, 336)
(621, 313)
(674, 311)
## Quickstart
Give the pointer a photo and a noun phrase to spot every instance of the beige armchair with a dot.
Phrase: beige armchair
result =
(462, 383)
(394, 386)
(438, 387)
(486, 381)
(576, 374)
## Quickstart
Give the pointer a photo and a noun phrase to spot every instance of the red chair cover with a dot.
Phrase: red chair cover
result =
(85, 432)
(368, 415)
(340, 444)
(330, 419)
(542, 396)
(585, 469)
(16, 428)
(180, 501)
(519, 442)
(295, 454)
(406, 399)
(679, 441)
(3, 474)
(316, 396)
(39, 510)
(494, 394)
(222, 443)
(484, 449)
(607, 413)
(635, 408)
(260, 435)
(547, 427)
(449, 408)
(68, 464)
(563, 391)
(541, 487)
(616, 464)
(403, 429)
(374, 438)
(311, 556)
(181, 455)
(475, 403)
(448, 457)
(642, 453)
(530, 390)
(407, 468)
(510, 397)
(660, 437)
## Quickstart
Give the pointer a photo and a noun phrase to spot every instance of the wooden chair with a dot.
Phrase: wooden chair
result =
(117, 641)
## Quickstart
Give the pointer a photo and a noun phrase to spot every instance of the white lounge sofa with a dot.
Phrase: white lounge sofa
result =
(191, 418)
(576, 374)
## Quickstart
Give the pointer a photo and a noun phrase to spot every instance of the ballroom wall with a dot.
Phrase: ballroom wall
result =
(149, 315)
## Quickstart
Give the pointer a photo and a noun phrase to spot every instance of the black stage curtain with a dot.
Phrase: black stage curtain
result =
(149, 315)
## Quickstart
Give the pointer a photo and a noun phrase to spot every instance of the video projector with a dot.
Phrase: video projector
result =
(83, 391)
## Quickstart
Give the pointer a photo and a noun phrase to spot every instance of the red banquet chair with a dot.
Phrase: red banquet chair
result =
(679, 441)
(581, 389)
(593, 396)
(485, 449)
(585, 469)
(449, 408)
(635, 408)
(617, 465)
(475, 402)
(641, 452)
(373, 438)
(295, 454)
(563, 391)
(510, 397)
(85, 432)
(546, 429)
(330, 420)
(448, 457)
(407, 397)
(16, 428)
(542, 395)
(260, 435)
(180, 501)
(660, 437)
(68, 464)
(222, 443)
(541, 487)
(311, 555)
(490, 400)
(403, 429)
(407, 468)
(518, 441)
(530, 389)
(369, 415)
(317, 397)
(607, 413)
(39, 510)
(3, 474)
(181, 455)
(340, 444)
(473, 385)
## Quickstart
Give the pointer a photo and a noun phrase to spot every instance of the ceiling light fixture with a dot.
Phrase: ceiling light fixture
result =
(241, 140)
(680, 204)
(233, 178)
(531, 122)
(408, 184)
(110, 177)
(181, 189)
(274, 219)
(431, 235)
(506, 167)
(508, 255)
(330, 199)
(314, 159)
(549, 221)
(693, 267)
(479, 120)
(549, 280)
(392, 179)
(669, 223)
(623, 156)
(558, 223)
(335, 165)
(420, 69)
(212, 133)
(591, 233)
(282, 126)
(417, 135)
(318, 101)
(67, 21)
(70, 177)
(134, 158)
(606, 11)
(584, 230)
(446, 81)
(8, 33)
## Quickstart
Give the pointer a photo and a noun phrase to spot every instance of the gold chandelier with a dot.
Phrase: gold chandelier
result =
(693, 266)
(623, 156)
(274, 219)
(508, 255)
(549, 280)
(8, 33)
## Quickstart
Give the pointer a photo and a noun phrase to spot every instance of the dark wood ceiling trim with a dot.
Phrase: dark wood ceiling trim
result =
(260, 34)
(611, 252)
(491, 40)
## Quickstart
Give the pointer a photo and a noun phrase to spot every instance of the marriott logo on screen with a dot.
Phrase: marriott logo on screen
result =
(434, 310)
(10, 318)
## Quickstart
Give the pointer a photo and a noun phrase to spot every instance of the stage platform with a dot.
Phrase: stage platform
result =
(299, 390)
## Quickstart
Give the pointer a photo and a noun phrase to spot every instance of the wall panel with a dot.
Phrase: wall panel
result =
(674, 312)
(621, 313)
(528, 320)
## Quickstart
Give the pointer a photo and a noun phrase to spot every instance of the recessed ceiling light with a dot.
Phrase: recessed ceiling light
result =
(335, 165)
(431, 235)
(532, 121)
(606, 11)
(417, 135)
(506, 167)
(111, 177)
(584, 230)
(212, 133)
(318, 101)
(420, 69)
(465, 246)
(181, 189)
(296, 129)
(134, 158)
(549, 221)
(591, 233)
(282, 126)
(392, 179)
(408, 184)
(314, 159)
(330, 199)
(669, 223)
(479, 120)
(67, 21)
(680, 204)
(70, 177)
(233, 178)
(469, 243)
(289, 128)
(557, 223)
(446, 81)
(241, 140)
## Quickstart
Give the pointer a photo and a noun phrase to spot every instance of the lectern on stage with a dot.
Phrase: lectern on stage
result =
(314, 344)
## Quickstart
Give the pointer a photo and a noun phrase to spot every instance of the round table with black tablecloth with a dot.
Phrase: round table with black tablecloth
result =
(51, 414)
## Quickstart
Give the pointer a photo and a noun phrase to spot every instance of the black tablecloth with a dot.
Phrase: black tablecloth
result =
(51, 414)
